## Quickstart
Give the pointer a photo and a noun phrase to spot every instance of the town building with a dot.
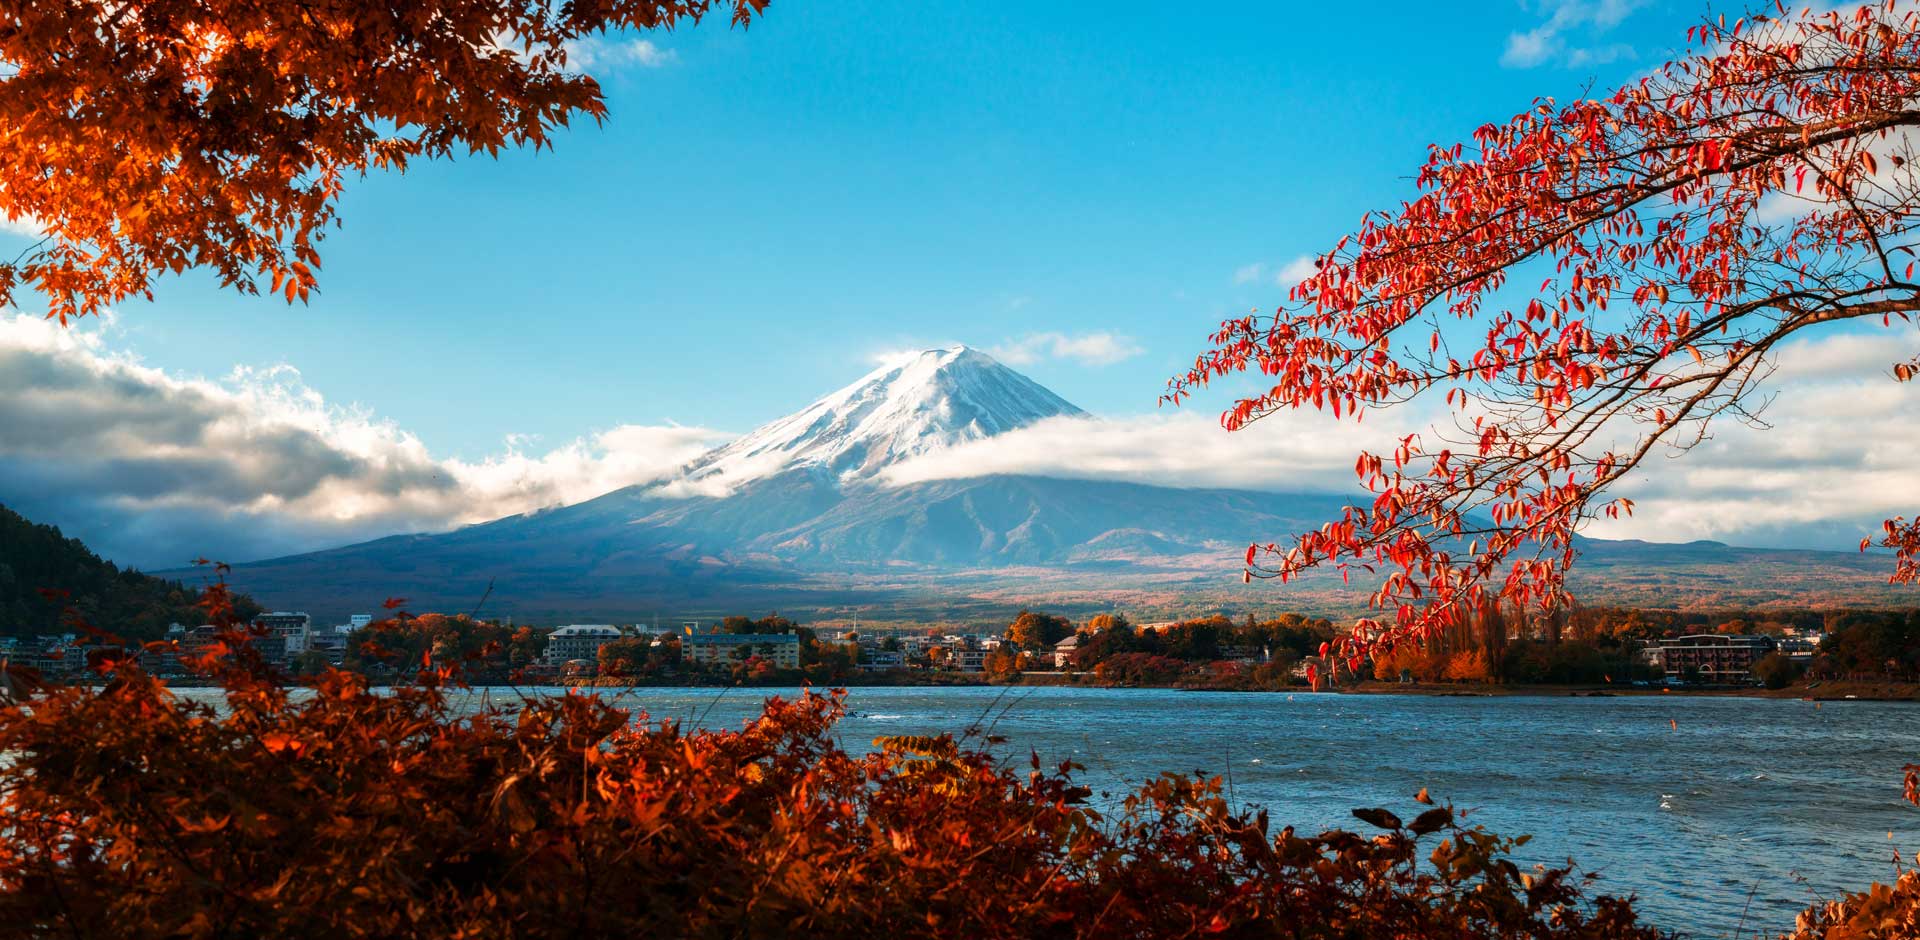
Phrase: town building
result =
(196, 642)
(1245, 653)
(1713, 657)
(332, 646)
(1063, 651)
(966, 658)
(579, 641)
(294, 629)
(1800, 648)
(877, 659)
(706, 649)
(50, 654)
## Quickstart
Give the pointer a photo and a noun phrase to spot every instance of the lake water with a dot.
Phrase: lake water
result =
(1771, 798)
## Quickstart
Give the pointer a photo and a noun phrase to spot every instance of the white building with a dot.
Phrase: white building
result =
(579, 641)
(1063, 651)
(963, 657)
(711, 648)
(875, 659)
(295, 628)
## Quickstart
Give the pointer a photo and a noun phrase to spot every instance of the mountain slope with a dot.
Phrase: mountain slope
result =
(795, 515)
(910, 407)
(133, 605)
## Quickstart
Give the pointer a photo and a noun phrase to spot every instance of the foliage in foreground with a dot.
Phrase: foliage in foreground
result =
(1689, 232)
(1882, 912)
(345, 813)
(147, 137)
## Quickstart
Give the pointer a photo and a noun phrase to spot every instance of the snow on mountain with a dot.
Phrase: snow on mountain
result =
(906, 408)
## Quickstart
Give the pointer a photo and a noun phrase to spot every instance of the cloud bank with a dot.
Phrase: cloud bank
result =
(151, 469)
(1834, 457)
(1286, 452)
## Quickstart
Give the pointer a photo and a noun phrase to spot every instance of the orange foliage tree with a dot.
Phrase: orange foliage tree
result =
(1682, 229)
(133, 812)
(150, 136)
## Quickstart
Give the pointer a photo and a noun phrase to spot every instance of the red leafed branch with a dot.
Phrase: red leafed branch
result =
(1583, 285)
(1904, 538)
(144, 137)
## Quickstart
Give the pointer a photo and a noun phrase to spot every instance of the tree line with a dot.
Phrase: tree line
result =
(50, 583)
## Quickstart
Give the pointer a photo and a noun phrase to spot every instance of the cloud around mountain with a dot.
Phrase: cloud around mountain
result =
(150, 468)
(1293, 452)
(1829, 458)
(1832, 457)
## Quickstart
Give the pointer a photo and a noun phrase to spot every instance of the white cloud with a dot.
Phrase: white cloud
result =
(1294, 452)
(1295, 271)
(1600, 55)
(898, 354)
(1835, 456)
(1548, 41)
(1835, 459)
(1286, 274)
(25, 226)
(1895, 177)
(1093, 349)
(151, 468)
(596, 52)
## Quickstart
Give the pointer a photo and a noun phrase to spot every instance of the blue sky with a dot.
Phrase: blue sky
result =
(1086, 190)
(767, 209)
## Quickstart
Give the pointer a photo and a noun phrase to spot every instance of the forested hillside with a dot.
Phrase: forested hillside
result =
(35, 559)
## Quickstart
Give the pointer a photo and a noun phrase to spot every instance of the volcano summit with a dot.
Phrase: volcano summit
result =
(800, 515)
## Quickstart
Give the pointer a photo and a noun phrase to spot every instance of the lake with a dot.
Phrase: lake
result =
(1770, 798)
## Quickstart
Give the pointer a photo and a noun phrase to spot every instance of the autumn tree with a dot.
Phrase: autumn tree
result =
(771, 623)
(406, 813)
(1002, 663)
(1585, 285)
(626, 656)
(478, 649)
(151, 136)
(1037, 631)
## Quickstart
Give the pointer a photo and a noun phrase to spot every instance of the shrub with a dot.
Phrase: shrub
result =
(1776, 671)
(1139, 669)
(1882, 912)
(348, 813)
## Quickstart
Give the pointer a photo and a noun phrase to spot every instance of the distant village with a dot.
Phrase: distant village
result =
(1205, 652)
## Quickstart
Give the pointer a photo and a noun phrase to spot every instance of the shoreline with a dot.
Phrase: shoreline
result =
(1820, 691)
(1833, 690)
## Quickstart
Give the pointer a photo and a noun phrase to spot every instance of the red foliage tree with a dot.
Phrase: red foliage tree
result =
(150, 136)
(1683, 228)
(132, 812)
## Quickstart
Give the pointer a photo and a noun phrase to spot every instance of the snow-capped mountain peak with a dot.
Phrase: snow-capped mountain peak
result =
(905, 408)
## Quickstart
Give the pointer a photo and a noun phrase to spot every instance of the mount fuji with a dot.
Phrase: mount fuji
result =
(908, 408)
(799, 515)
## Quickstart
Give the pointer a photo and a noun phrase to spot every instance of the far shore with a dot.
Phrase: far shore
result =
(1819, 691)
(1833, 690)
